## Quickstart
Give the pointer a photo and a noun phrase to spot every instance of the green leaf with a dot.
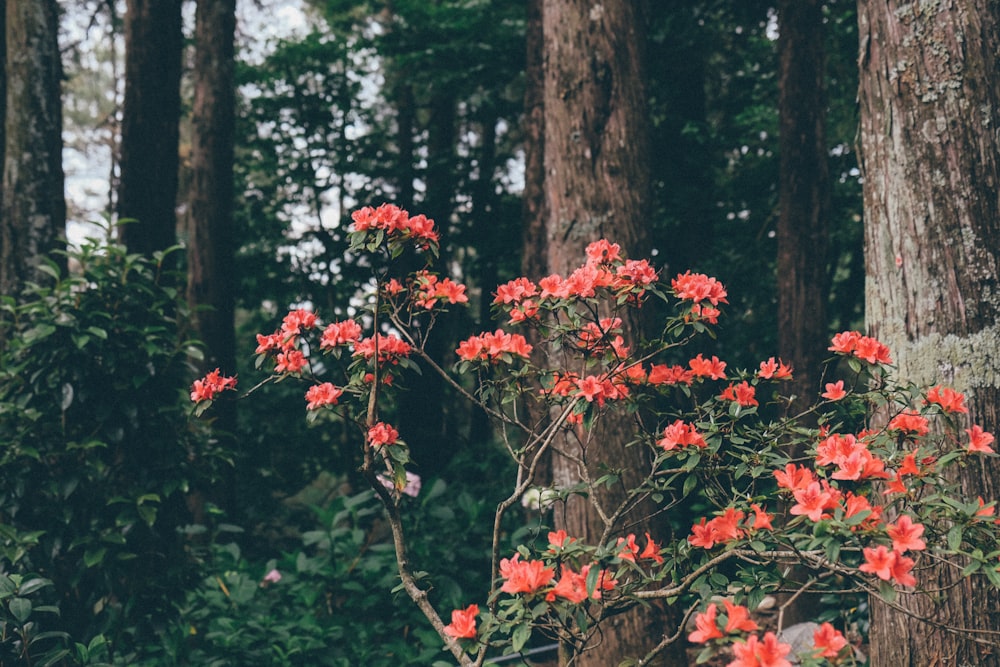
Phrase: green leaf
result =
(520, 637)
(32, 585)
(20, 609)
(93, 556)
(689, 485)
(7, 587)
(955, 537)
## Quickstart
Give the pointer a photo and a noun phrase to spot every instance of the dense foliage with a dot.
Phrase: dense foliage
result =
(98, 456)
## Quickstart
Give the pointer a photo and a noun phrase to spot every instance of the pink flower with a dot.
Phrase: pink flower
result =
(706, 626)
(272, 577)
(979, 440)
(382, 434)
(206, 388)
(322, 394)
(828, 640)
(463, 623)
(906, 534)
(834, 391)
(524, 576)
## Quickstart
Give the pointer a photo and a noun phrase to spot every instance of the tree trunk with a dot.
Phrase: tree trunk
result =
(147, 191)
(804, 196)
(211, 243)
(33, 215)
(596, 185)
(533, 262)
(930, 95)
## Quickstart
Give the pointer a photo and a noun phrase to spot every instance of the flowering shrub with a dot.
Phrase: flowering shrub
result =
(864, 509)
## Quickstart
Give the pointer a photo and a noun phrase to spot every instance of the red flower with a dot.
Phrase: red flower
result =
(979, 440)
(756, 653)
(863, 347)
(270, 342)
(845, 342)
(741, 393)
(703, 534)
(906, 535)
(702, 367)
(206, 388)
(603, 252)
(794, 477)
(663, 374)
(738, 618)
(296, 320)
(900, 571)
(652, 550)
(706, 625)
(908, 421)
(572, 585)
(772, 369)
(390, 347)
(834, 391)
(828, 640)
(463, 623)
(680, 434)
(515, 291)
(559, 539)
(290, 361)
(698, 287)
(524, 577)
(450, 291)
(761, 519)
(949, 399)
(322, 394)
(591, 388)
(340, 333)
(382, 434)
(812, 500)
(879, 561)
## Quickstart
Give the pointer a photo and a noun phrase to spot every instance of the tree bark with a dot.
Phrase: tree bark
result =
(147, 192)
(211, 242)
(803, 196)
(930, 94)
(33, 215)
(533, 262)
(596, 170)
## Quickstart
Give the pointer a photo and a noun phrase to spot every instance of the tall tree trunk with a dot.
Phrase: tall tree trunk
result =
(804, 204)
(596, 185)
(211, 242)
(147, 191)
(425, 431)
(33, 216)
(930, 108)
(533, 262)
(804, 195)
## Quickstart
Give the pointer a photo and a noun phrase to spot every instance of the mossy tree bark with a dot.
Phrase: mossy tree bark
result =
(33, 214)
(930, 108)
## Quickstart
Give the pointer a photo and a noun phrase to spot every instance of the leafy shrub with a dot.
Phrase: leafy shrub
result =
(96, 454)
(330, 601)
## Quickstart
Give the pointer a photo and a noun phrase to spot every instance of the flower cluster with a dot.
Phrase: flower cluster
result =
(681, 434)
(389, 347)
(862, 347)
(493, 346)
(604, 269)
(865, 500)
(211, 385)
(429, 290)
(394, 221)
